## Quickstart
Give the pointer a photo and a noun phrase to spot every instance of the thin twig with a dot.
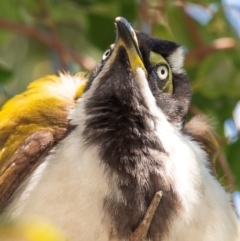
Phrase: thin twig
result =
(201, 52)
(27, 31)
(141, 232)
(33, 33)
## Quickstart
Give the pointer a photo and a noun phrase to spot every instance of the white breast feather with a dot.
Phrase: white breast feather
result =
(207, 213)
(70, 191)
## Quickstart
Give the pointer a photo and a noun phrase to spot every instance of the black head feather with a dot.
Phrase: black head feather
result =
(174, 105)
(120, 124)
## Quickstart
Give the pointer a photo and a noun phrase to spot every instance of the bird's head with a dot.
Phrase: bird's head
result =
(132, 104)
(139, 70)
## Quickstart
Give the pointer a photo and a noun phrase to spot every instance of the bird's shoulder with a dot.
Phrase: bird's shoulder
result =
(201, 129)
(31, 123)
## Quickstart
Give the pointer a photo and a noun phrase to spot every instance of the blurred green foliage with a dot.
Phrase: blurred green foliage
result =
(40, 37)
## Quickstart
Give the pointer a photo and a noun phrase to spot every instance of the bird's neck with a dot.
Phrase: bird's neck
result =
(128, 145)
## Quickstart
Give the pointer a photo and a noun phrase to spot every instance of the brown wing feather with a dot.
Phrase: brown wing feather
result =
(201, 130)
(23, 161)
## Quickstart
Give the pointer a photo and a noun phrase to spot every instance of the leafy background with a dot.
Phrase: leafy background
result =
(40, 37)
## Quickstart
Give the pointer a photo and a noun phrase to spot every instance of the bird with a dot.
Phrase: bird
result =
(102, 145)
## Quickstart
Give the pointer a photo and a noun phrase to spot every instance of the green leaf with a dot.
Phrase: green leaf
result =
(74, 16)
(218, 76)
(233, 154)
(5, 75)
(101, 32)
(128, 9)
(177, 24)
(84, 2)
(101, 18)
(9, 9)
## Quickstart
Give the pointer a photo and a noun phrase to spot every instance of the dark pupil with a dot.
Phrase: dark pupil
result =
(162, 72)
(107, 53)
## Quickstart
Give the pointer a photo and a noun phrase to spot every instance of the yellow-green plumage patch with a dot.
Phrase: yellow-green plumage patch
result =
(44, 106)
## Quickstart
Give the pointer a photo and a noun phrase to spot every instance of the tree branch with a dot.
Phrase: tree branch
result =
(204, 51)
(33, 33)
(27, 31)
(141, 232)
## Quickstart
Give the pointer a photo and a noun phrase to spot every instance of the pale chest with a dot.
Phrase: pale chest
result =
(72, 187)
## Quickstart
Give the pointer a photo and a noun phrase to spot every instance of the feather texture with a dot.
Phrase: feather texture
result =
(38, 113)
(202, 131)
(127, 144)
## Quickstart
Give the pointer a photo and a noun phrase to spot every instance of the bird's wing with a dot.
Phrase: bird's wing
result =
(31, 123)
(200, 129)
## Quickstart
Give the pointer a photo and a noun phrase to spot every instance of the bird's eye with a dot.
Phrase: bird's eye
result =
(163, 77)
(162, 72)
(106, 54)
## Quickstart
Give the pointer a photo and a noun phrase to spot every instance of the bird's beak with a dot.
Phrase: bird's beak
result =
(126, 38)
